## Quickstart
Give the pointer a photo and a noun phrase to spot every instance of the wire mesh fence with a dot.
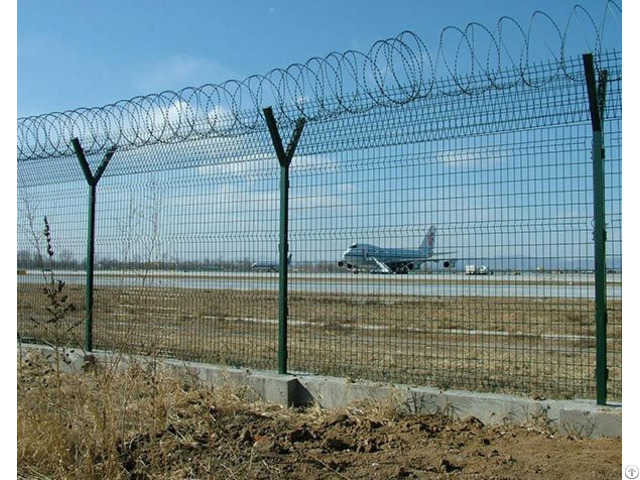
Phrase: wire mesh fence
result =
(440, 237)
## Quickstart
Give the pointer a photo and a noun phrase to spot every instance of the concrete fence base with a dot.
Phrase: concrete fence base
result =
(570, 417)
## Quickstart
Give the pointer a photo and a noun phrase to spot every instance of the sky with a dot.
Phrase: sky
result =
(76, 53)
(81, 54)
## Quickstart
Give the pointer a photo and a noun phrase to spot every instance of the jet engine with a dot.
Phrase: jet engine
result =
(447, 264)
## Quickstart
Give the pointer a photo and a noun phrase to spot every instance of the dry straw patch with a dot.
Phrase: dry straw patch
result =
(148, 421)
(108, 422)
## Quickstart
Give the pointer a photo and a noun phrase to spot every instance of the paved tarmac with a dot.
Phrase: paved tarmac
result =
(542, 285)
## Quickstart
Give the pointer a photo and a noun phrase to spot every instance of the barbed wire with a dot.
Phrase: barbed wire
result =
(394, 71)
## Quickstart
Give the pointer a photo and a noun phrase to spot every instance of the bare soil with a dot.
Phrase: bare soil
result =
(354, 444)
(148, 424)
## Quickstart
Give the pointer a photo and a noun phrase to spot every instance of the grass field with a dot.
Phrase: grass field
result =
(541, 347)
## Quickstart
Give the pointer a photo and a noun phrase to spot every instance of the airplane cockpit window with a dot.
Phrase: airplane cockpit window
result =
(353, 245)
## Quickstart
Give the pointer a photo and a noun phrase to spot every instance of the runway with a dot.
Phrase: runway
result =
(530, 284)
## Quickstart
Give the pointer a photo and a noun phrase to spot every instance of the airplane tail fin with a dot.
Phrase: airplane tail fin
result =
(429, 240)
(289, 258)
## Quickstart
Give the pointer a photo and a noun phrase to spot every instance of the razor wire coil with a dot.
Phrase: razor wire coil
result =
(394, 71)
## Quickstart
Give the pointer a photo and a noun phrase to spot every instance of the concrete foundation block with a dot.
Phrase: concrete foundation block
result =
(571, 417)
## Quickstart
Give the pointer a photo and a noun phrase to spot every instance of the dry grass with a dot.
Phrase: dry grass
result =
(149, 421)
(532, 346)
(107, 423)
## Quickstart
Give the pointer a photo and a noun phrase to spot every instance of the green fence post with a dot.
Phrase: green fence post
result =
(596, 106)
(92, 181)
(284, 159)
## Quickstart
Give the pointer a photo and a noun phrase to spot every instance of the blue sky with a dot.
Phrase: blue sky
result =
(87, 54)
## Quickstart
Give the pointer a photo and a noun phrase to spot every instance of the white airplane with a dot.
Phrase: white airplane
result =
(371, 258)
(273, 266)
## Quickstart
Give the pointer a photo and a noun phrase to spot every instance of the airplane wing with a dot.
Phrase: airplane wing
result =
(439, 256)
(447, 262)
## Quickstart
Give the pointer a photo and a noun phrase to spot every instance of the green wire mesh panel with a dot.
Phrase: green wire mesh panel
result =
(178, 229)
(508, 186)
(440, 229)
(65, 206)
(613, 220)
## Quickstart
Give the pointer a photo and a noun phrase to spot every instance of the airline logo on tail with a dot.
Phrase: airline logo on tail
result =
(429, 241)
(431, 236)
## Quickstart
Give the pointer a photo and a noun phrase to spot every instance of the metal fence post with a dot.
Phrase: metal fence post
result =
(92, 181)
(596, 106)
(284, 159)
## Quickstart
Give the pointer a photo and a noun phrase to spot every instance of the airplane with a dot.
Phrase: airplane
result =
(273, 266)
(374, 259)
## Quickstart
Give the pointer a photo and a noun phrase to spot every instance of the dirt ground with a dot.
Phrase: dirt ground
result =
(148, 422)
(359, 443)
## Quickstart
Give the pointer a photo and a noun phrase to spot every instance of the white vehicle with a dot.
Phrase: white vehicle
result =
(476, 270)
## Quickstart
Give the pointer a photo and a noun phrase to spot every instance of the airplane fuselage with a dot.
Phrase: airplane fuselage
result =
(364, 256)
(372, 258)
(270, 266)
